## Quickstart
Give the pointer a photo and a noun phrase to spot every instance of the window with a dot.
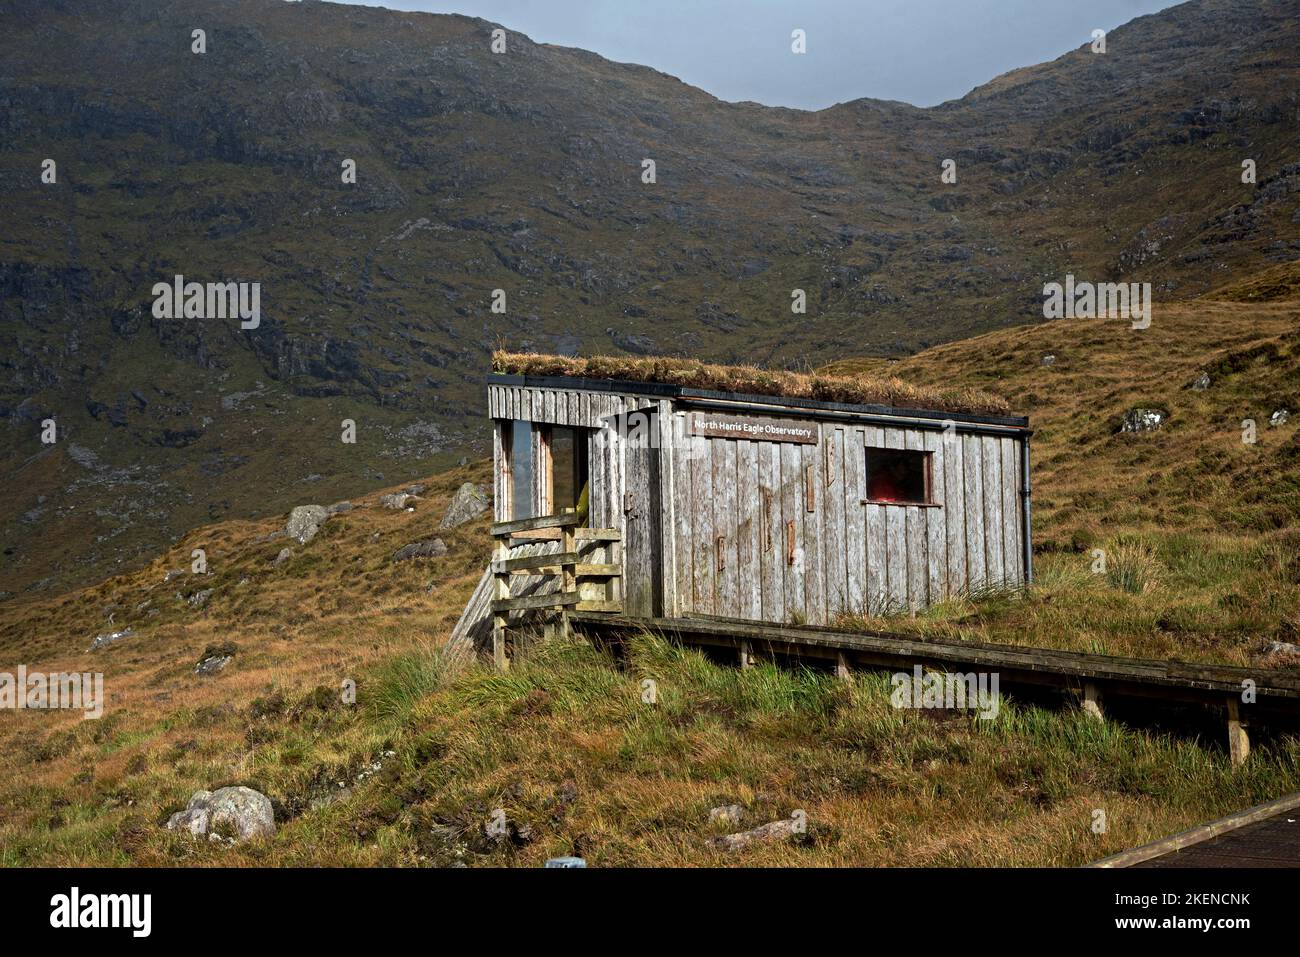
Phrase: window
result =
(521, 469)
(548, 468)
(898, 475)
(568, 454)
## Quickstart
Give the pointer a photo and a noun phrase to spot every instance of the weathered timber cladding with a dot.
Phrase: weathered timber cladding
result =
(776, 530)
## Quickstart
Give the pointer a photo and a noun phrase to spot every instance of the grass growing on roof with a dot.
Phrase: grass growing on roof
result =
(859, 389)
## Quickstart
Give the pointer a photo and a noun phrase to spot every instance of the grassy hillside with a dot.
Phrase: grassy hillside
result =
(522, 172)
(1204, 563)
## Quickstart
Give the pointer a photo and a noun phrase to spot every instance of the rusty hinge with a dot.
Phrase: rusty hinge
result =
(789, 542)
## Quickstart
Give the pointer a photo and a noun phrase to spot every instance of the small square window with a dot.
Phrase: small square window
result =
(898, 475)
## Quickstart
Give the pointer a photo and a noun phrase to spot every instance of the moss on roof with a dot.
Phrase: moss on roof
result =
(849, 389)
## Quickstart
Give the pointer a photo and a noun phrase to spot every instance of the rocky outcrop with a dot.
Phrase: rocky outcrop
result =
(469, 502)
(428, 549)
(230, 814)
(304, 522)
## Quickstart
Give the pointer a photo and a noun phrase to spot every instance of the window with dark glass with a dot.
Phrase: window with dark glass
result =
(568, 454)
(521, 470)
(898, 475)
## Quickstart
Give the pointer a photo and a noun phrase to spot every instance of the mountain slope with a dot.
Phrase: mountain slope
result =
(522, 172)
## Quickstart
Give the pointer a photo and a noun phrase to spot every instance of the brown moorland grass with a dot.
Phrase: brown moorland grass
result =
(1205, 567)
(852, 388)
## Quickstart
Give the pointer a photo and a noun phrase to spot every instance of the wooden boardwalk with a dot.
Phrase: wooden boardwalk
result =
(1275, 690)
(1267, 835)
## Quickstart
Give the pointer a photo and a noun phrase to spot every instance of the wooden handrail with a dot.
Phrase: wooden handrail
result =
(562, 520)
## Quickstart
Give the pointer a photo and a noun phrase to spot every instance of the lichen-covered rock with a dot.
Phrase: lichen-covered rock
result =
(1280, 417)
(427, 549)
(284, 556)
(1201, 382)
(112, 636)
(396, 500)
(236, 813)
(304, 522)
(1143, 420)
(469, 502)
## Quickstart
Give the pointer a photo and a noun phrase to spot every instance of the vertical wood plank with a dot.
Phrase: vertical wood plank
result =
(792, 551)
(836, 539)
(896, 546)
(918, 542)
(994, 560)
(936, 521)
(973, 469)
(749, 555)
(702, 526)
(954, 511)
(1011, 548)
(855, 522)
(684, 516)
(814, 493)
(772, 526)
(500, 472)
(724, 526)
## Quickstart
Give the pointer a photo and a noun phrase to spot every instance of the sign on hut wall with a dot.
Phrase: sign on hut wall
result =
(755, 428)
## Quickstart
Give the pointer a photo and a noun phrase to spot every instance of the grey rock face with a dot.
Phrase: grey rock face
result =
(212, 665)
(238, 813)
(1142, 420)
(469, 502)
(304, 522)
(107, 639)
(428, 549)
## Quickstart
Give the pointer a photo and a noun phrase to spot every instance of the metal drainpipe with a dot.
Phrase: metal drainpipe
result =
(1026, 513)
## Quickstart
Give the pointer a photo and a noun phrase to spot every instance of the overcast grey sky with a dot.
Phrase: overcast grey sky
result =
(919, 51)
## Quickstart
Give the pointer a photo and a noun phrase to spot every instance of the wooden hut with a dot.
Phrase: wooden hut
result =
(767, 507)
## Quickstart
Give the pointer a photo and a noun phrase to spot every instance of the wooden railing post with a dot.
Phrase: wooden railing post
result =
(500, 616)
(568, 580)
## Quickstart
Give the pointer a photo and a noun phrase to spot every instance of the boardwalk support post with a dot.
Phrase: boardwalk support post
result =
(746, 655)
(1092, 701)
(842, 667)
(1238, 740)
(500, 617)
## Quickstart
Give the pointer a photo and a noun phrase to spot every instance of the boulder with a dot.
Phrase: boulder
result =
(339, 507)
(431, 548)
(112, 636)
(234, 813)
(1279, 417)
(469, 502)
(1143, 420)
(284, 556)
(775, 831)
(304, 522)
(200, 598)
(396, 500)
(1201, 382)
(1049, 360)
